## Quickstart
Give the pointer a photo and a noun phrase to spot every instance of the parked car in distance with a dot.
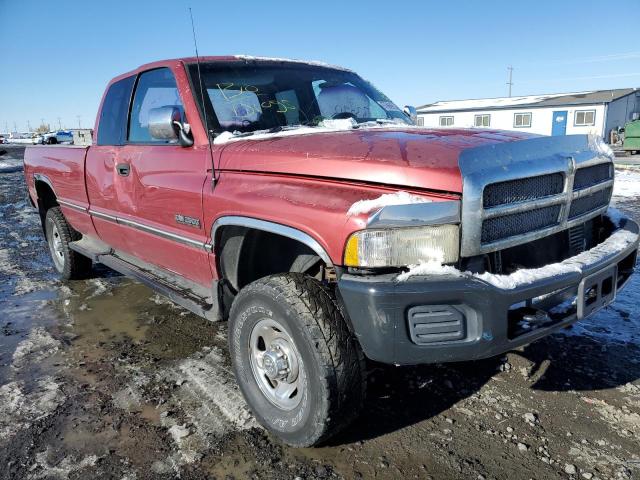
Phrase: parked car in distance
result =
(48, 138)
(64, 136)
(30, 139)
(302, 205)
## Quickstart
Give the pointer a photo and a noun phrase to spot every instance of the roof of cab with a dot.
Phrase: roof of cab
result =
(222, 58)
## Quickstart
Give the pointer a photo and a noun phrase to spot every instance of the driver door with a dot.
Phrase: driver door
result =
(161, 199)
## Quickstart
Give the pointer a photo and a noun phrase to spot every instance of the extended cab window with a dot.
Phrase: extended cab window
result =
(113, 116)
(156, 88)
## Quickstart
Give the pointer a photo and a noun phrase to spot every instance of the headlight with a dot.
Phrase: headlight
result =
(399, 247)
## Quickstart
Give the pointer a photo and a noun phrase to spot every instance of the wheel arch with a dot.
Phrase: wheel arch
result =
(45, 196)
(271, 227)
(241, 245)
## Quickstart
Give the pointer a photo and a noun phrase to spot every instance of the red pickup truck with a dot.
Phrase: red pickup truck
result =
(300, 204)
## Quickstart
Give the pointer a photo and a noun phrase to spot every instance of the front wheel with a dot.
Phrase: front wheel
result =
(68, 263)
(297, 365)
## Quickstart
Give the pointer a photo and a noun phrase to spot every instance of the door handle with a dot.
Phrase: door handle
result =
(123, 169)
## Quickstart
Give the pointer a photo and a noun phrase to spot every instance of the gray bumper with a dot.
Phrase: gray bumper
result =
(383, 311)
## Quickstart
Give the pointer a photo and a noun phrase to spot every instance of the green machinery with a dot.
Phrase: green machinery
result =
(632, 136)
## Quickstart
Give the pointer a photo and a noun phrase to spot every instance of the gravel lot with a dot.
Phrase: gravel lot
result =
(102, 378)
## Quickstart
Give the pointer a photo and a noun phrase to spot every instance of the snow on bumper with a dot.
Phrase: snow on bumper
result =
(619, 241)
(440, 314)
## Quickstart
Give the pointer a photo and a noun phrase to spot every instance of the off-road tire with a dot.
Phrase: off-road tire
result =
(74, 265)
(332, 358)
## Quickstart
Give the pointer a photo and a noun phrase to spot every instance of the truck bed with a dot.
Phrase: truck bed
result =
(59, 165)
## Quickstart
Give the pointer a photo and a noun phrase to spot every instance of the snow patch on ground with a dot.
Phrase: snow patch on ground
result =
(6, 265)
(212, 378)
(627, 183)
(10, 165)
(178, 432)
(615, 416)
(62, 469)
(398, 198)
(36, 347)
(205, 390)
(20, 405)
(100, 287)
(22, 282)
(128, 399)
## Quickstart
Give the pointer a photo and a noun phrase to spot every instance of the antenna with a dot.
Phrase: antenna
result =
(214, 179)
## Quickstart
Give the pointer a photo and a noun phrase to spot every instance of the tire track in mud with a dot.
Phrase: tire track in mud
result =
(211, 380)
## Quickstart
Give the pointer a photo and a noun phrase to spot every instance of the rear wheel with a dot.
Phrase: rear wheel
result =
(297, 365)
(68, 263)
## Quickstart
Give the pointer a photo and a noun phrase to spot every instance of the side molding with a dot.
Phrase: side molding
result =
(271, 227)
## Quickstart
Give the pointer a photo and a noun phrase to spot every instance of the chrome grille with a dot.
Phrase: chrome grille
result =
(590, 203)
(514, 193)
(522, 189)
(494, 229)
(589, 176)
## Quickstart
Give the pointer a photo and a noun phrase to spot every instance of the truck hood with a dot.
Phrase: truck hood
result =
(414, 158)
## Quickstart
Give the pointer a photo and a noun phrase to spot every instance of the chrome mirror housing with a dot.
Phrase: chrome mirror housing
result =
(165, 123)
(162, 123)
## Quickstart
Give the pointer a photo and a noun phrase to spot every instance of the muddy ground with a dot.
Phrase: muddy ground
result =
(102, 378)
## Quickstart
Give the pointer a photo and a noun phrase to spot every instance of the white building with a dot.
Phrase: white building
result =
(597, 112)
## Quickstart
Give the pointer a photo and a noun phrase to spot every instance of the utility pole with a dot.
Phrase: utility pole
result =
(28, 125)
(78, 117)
(510, 82)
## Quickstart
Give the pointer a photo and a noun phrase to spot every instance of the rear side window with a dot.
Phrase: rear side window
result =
(113, 117)
(156, 88)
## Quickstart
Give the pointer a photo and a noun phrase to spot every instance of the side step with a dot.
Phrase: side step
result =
(90, 247)
(203, 304)
(182, 297)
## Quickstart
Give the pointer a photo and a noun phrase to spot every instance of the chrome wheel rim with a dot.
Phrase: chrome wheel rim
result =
(276, 364)
(55, 245)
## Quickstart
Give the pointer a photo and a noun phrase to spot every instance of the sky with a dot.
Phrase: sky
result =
(57, 57)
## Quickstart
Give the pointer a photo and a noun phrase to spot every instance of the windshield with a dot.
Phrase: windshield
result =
(246, 98)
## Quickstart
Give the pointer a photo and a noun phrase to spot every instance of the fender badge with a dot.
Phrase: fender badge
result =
(190, 221)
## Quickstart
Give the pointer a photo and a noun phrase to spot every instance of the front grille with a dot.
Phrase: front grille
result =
(498, 228)
(590, 176)
(515, 193)
(581, 206)
(523, 189)
(577, 239)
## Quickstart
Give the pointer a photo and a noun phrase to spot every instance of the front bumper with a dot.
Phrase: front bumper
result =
(383, 310)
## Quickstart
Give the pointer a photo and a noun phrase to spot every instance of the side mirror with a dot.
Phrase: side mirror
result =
(165, 123)
(411, 112)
